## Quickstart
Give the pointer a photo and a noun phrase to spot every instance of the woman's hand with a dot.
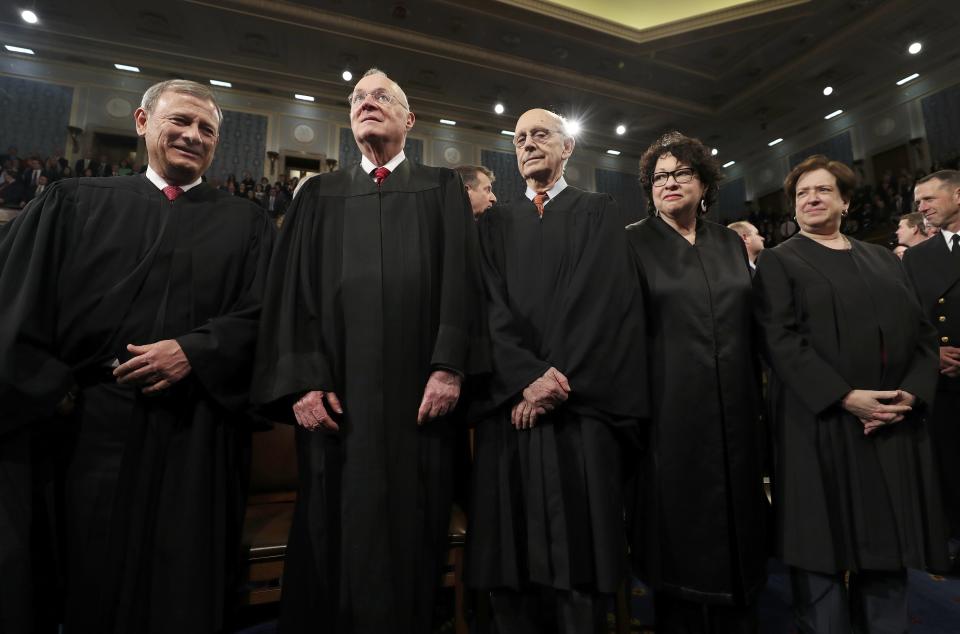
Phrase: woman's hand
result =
(878, 408)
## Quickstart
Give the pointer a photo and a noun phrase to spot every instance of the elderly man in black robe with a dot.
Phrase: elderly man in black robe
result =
(366, 337)
(546, 534)
(132, 304)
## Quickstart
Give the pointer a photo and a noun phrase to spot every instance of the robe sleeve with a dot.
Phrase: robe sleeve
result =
(788, 351)
(291, 358)
(461, 344)
(221, 350)
(33, 247)
(515, 366)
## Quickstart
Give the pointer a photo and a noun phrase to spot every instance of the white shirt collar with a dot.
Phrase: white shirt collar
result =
(367, 165)
(552, 193)
(948, 236)
(158, 181)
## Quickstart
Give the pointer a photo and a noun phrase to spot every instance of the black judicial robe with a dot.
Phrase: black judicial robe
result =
(370, 290)
(561, 291)
(154, 485)
(701, 507)
(935, 275)
(833, 321)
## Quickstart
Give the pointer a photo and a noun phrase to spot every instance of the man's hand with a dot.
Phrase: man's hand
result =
(439, 396)
(548, 391)
(866, 405)
(156, 366)
(950, 361)
(524, 414)
(312, 415)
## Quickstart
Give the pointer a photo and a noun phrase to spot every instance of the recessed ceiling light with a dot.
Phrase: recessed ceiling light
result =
(729, 163)
(222, 84)
(132, 69)
(18, 49)
(613, 152)
(775, 141)
(714, 152)
(303, 97)
(347, 75)
(915, 48)
(621, 129)
(573, 127)
(835, 113)
(908, 78)
(827, 91)
(507, 132)
(498, 108)
(29, 16)
(448, 122)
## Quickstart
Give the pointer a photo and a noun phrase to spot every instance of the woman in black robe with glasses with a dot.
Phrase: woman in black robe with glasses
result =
(698, 524)
(854, 365)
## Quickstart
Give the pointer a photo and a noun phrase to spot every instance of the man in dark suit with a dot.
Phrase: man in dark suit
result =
(11, 190)
(275, 202)
(84, 164)
(934, 269)
(752, 240)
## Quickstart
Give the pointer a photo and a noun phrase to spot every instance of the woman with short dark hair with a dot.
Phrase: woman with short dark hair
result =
(854, 365)
(698, 527)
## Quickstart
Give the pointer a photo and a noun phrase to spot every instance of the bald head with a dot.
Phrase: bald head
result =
(543, 147)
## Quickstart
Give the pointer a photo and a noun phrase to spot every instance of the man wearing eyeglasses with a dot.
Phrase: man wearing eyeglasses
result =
(547, 533)
(368, 331)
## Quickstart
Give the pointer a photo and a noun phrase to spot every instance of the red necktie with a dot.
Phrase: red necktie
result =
(539, 201)
(172, 192)
(380, 174)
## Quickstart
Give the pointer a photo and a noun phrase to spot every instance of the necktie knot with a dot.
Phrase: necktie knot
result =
(172, 192)
(380, 174)
(539, 200)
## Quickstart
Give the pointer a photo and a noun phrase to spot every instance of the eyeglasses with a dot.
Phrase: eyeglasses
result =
(539, 135)
(381, 96)
(682, 176)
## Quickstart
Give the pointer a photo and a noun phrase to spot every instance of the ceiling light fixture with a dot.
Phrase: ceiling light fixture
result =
(714, 152)
(448, 122)
(835, 113)
(573, 127)
(729, 163)
(775, 141)
(18, 49)
(908, 78)
(507, 132)
(613, 152)
(303, 97)
(827, 91)
(132, 69)
(621, 129)
(222, 84)
(915, 48)
(347, 75)
(29, 16)
(499, 109)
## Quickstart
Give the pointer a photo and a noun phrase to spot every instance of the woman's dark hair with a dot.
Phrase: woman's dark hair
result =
(846, 180)
(686, 150)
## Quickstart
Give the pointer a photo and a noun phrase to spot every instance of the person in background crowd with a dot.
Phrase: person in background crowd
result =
(703, 550)
(12, 190)
(854, 371)
(370, 324)
(911, 230)
(934, 270)
(125, 359)
(752, 240)
(568, 394)
(899, 250)
(478, 181)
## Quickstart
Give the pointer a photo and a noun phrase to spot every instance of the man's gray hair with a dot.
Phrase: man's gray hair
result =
(742, 227)
(951, 178)
(376, 71)
(182, 86)
(469, 174)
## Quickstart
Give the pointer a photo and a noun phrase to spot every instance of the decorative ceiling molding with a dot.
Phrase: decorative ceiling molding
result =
(669, 29)
(347, 26)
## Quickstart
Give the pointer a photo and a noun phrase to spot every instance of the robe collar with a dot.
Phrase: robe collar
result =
(158, 181)
(367, 165)
(552, 193)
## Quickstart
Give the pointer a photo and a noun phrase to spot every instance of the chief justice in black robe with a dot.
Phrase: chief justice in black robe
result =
(566, 325)
(366, 333)
(153, 465)
(854, 366)
(700, 516)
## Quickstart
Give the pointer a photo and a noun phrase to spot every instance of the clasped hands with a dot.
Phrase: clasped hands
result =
(876, 408)
(440, 397)
(155, 366)
(540, 397)
(950, 361)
